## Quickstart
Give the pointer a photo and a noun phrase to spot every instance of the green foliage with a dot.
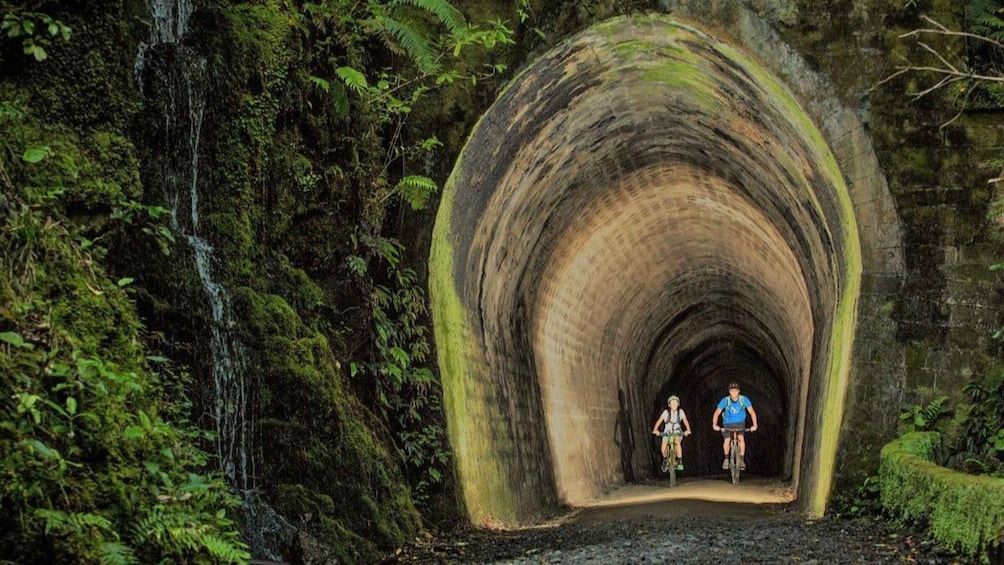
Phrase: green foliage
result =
(917, 417)
(405, 390)
(984, 18)
(96, 474)
(416, 190)
(962, 511)
(528, 18)
(94, 444)
(863, 500)
(323, 458)
(429, 33)
(980, 448)
(36, 31)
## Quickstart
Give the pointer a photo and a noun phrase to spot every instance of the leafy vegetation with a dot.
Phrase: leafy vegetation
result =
(916, 417)
(426, 42)
(981, 446)
(36, 31)
(985, 18)
(98, 463)
(405, 389)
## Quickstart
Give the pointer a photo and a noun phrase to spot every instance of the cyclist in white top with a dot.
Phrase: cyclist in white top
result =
(676, 427)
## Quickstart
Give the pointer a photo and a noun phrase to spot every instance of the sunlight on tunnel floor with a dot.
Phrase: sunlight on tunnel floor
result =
(751, 490)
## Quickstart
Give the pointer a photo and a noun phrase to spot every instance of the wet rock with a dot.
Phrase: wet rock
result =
(306, 550)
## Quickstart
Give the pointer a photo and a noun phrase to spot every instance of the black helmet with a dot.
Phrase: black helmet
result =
(733, 385)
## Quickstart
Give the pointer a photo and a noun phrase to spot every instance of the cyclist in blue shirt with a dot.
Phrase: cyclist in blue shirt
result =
(734, 407)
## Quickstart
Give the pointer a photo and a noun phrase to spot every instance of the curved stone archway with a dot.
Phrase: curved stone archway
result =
(646, 209)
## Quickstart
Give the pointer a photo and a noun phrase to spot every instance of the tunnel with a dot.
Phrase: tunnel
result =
(645, 210)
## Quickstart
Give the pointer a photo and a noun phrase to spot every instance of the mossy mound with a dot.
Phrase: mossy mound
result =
(964, 512)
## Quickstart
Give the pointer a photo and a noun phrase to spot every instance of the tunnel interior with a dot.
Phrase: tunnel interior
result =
(644, 210)
(701, 376)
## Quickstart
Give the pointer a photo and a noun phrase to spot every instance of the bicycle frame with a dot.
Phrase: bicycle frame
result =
(671, 459)
(734, 454)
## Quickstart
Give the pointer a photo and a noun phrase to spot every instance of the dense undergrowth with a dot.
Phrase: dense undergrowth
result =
(311, 162)
(98, 462)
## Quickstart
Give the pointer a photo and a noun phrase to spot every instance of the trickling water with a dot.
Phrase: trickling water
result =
(170, 20)
(229, 357)
(180, 89)
(168, 25)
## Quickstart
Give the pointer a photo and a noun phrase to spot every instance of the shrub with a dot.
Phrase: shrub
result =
(964, 512)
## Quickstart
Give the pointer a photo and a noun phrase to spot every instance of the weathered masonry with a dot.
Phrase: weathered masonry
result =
(648, 209)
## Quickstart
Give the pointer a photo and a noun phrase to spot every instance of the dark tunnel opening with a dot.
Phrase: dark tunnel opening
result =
(700, 379)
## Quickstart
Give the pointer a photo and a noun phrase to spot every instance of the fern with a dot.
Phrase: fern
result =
(153, 525)
(115, 553)
(336, 90)
(990, 25)
(921, 418)
(352, 78)
(224, 550)
(446, 12)
(414, 43)
(416, 190)
(78, 523)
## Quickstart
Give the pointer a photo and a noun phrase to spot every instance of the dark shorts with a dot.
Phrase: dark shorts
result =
(727, 429)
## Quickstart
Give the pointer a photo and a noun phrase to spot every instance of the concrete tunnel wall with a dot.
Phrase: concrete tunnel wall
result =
(647, 209)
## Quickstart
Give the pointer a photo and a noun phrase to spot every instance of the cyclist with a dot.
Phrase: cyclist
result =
(734, 407)
(676, 427)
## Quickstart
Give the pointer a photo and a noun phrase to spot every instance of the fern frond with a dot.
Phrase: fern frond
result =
(352, 78)
(223, 550)
(992, 26)
(153, 525)
(446, 12)
(115, 553)
(76, 522)
(415, 44)
(416, 190)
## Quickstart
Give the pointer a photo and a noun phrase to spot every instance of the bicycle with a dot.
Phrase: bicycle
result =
(669, 463)
(734, 455)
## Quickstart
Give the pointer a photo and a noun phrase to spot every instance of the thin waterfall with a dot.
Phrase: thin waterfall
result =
(180, 84)
(185, 105)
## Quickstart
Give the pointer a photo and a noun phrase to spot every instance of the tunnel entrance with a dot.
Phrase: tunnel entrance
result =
(645, 209)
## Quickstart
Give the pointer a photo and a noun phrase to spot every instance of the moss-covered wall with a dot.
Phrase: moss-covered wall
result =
(280, 212)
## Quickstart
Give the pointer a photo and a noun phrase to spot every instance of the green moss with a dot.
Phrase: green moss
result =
(319, 441)
(319, 510)
(962, 511)
(484, 482)
(916, 356)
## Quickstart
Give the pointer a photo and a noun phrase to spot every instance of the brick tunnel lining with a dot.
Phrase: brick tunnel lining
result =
(620, 214)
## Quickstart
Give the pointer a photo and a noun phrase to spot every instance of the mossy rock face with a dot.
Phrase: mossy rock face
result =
(320, 451)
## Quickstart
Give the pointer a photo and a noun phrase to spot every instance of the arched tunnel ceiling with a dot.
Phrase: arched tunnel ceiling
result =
(640, 195)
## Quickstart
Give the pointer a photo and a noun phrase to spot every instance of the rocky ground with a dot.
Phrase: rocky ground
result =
(683, 531)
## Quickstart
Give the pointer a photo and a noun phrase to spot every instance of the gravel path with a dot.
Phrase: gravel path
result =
(684, 532)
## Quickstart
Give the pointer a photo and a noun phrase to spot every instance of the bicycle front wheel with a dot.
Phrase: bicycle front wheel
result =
(734, 463)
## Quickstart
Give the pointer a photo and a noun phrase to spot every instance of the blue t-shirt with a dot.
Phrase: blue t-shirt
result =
(734, 412)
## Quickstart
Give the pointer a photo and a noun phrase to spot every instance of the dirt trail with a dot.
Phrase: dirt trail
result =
(651, 523)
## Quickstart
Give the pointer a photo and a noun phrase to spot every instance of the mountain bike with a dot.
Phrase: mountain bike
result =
(734, 455)
(669, 464)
